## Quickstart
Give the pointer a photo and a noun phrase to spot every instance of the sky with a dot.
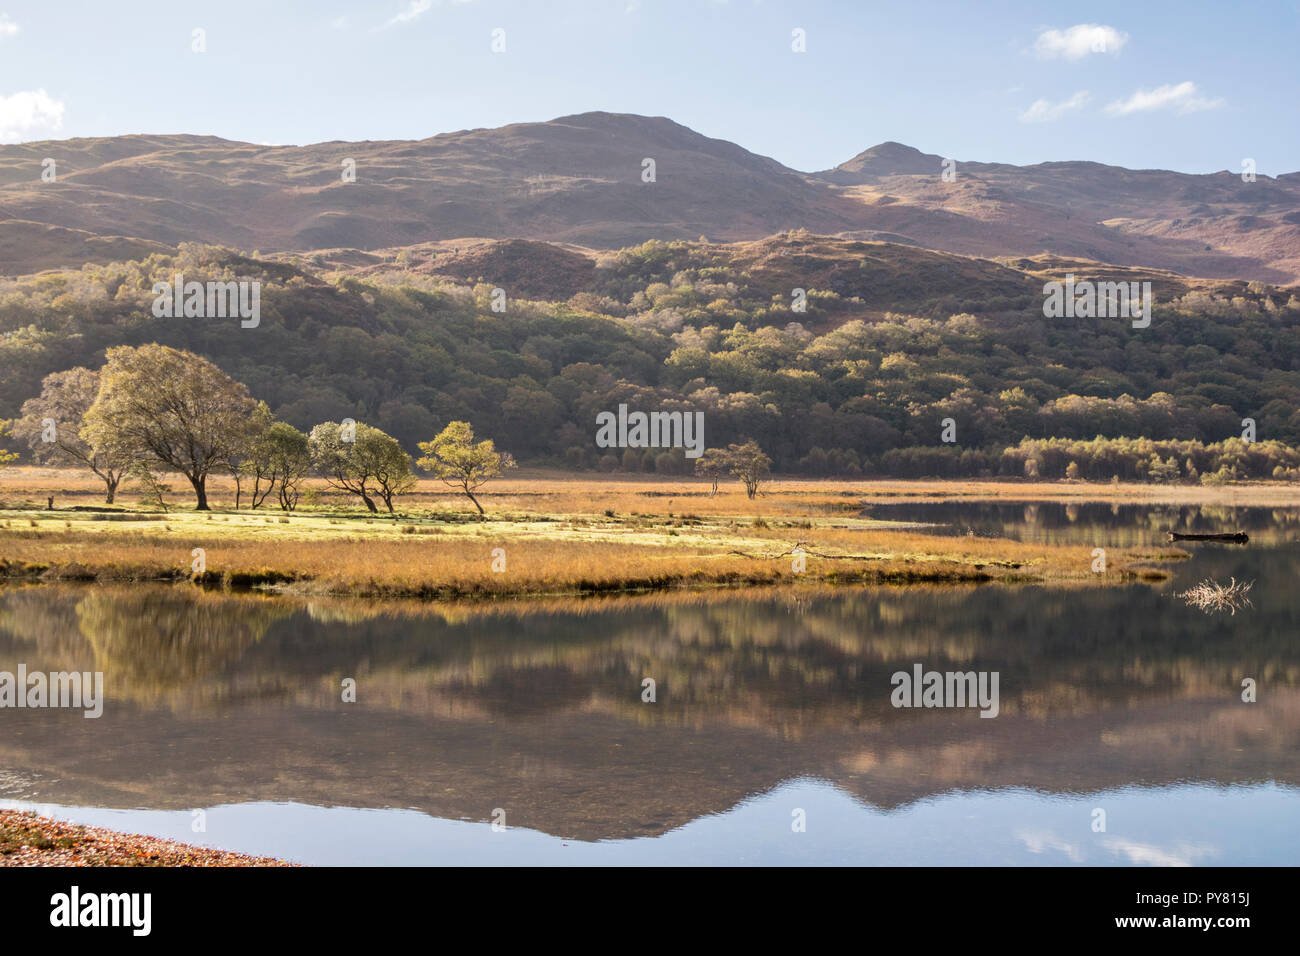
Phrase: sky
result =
(1192, 86)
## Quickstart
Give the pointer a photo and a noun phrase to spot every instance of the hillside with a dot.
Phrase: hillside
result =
(578, 180)
(893, 341)
(575, 179)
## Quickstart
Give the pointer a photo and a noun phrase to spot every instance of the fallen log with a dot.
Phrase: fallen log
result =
(1237, 537)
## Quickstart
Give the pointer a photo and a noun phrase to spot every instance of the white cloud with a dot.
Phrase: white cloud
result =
(29, 112)
(1045, 111)
(7, 27)
(1078, 41)
(1182, 97)
(414, 10)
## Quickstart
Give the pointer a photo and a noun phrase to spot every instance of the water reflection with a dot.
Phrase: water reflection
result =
(233, 699)
(1097, 523)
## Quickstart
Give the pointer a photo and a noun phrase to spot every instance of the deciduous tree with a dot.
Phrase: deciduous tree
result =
(168, 408)
(458, 461)
(51, 426)
(289, 460)
(362, 461)
(748, 463)
(6, 456)
(713, 464)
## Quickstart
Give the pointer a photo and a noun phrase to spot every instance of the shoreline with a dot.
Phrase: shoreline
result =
(30, 840)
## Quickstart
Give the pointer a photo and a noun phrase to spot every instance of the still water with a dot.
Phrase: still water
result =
(772, 710)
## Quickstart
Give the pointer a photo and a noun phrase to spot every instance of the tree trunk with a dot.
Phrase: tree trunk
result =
(111, 493)
(470, 494)
(200, 492)
(369, 504)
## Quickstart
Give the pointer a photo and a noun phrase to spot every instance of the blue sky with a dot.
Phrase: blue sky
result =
(1193, 86)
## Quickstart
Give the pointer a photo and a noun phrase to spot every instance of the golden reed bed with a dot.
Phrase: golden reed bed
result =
(549, 534)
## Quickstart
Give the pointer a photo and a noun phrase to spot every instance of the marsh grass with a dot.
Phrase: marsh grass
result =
(561, 535)
(542, 557)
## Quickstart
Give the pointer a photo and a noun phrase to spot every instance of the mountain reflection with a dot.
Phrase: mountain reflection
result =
(537, 707)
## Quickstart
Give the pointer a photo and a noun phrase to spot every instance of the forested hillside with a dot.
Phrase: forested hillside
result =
(893, 341)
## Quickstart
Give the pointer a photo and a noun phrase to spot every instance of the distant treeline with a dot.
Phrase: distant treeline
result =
(1104, 459)
(838, 389)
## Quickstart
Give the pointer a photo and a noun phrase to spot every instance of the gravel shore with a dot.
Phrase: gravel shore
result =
(29, 840)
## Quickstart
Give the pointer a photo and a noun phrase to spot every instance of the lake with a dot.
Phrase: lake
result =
(772, 738)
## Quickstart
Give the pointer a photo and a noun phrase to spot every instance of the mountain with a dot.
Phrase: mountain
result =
(887, 159)
(1212, 225)
(575, 179)
(578, 180)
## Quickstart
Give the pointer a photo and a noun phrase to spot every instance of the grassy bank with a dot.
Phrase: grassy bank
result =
(542, 536)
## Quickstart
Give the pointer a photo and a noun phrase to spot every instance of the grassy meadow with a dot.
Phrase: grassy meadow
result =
(558, 534)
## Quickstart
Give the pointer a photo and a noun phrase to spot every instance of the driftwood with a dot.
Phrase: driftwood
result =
(1237, 537)
(799, 548)
(1210, 596)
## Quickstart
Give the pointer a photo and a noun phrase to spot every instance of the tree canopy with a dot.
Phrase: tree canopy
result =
(361, 460)
(51, 426)
(860, 383)
(454, 457)
(169, 408)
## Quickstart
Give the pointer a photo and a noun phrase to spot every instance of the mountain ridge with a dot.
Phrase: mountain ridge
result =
(583, 179)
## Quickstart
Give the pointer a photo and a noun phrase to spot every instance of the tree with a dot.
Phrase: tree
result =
(748, 463)
(248, 455)
(289, 460)
(152, 490)
(6, 456)
(454, 458)
(51, 426)
(713, 464)
(362, 461)
(168, 408)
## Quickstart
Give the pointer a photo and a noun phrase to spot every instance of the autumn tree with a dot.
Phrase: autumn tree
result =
(362, 461)
(170, 409)
(6, 456)
(153, 491)
(454, 458)
(51, 426)
(288, 462)
(748, 463)
(275, 455)
(713, 464)
(248, 456)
